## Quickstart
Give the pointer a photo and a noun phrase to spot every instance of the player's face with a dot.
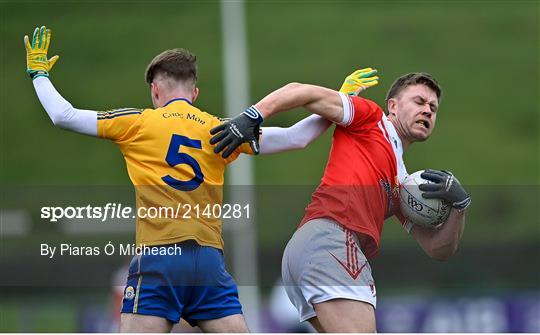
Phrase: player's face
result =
(415, 110)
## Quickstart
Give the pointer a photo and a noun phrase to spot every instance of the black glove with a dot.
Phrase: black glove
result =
(240, 129)
(446, 187)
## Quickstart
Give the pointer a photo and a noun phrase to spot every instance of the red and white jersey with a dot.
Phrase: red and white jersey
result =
(360, 185)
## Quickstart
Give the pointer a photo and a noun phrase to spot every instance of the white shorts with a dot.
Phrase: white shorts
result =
(323, 261)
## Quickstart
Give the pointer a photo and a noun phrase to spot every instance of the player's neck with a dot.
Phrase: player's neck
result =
(405, 142)
(171, 97)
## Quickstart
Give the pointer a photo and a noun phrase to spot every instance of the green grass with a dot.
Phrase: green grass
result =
(485, 55)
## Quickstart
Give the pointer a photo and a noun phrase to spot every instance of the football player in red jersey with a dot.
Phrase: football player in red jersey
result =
(325, 264)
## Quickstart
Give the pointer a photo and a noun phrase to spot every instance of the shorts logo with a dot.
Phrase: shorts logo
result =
(129, 294)
(372, 288)
(352, 267)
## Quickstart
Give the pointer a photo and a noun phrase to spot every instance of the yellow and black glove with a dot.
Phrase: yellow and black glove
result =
(37, 64)
(359, 81)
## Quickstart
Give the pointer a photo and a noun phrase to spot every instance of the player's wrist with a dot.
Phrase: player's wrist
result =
(37, 73)
(254, 114)
(463, 204)
(461, 199)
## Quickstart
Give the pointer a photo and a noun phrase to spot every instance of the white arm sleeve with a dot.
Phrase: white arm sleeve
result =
(61, 112)
(348, 110)
(298, 136)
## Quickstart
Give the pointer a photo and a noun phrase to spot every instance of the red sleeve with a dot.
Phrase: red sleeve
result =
(364, 112)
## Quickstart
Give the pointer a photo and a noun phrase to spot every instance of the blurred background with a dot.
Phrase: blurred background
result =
(485, 54)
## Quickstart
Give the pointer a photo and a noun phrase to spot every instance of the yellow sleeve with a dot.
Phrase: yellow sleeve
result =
(119, 125)
(244, 148)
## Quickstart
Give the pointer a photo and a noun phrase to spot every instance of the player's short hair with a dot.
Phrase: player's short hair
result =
(179, 64)
(414, 78)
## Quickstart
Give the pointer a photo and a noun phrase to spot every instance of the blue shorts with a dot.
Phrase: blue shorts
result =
(193, 285)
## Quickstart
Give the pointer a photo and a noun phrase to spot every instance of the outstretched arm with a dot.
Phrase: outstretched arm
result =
(298, 136)
(327, 103)
(59, 109)
(316, 99)
(245, 127)
(302, 133)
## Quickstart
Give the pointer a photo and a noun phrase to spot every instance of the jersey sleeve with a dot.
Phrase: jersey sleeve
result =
(244, 148)
(119, 125)
(359, 112)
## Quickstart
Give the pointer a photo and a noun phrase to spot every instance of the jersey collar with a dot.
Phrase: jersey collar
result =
(177, 99)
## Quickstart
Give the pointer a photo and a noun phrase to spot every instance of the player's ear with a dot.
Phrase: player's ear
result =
(392, 106)
(154, 92)
(195, 94)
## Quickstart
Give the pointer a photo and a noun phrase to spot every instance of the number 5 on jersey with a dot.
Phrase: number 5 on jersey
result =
(174, 157)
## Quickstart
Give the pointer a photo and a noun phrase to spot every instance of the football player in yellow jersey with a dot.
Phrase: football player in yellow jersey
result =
(170, 161)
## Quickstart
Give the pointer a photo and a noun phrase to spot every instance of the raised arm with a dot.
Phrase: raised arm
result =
(60, 111)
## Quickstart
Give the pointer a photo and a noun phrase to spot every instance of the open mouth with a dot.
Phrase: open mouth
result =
(423, 123)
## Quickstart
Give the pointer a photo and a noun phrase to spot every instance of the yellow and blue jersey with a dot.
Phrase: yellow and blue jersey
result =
(170, 161)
